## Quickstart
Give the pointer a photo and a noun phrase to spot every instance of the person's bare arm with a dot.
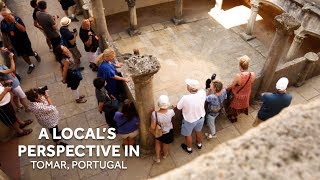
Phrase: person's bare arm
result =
(55, 26)
(6, 41)
(4, 92)
(89, 41)
(100, 107)
(120, 78)
(12, 65)
(65, 71)
(37, 25)
(235, 81)
(153, 124)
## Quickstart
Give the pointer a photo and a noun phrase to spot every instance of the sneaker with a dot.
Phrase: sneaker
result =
(82, 96)
(30, 69)
(199, 147)
(155, 159)
(74, 19)
(36, 55)
(50, 49)
(81, 100)
(185, 148)
(210, 136)
(165, 156)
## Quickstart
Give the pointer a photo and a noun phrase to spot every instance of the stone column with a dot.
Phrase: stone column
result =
(285, 25)
(101, 24)
(252, 19)
(178, 13)
(295, 46)
(133, 29)
(142, 69)
(311, 58)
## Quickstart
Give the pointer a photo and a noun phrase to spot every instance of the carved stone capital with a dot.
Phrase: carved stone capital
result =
(255, 6)
(131, 3)
(286, 23)
(299, 38)
(141, 68)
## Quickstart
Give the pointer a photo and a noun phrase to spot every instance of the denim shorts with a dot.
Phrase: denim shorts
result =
(187, 127)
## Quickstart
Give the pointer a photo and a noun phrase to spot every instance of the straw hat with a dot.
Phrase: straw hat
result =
(65, 21)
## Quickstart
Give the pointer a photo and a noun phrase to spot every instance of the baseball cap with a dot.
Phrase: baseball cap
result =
(194, 84)
(65, 21)
(282, 84)
(163, 102)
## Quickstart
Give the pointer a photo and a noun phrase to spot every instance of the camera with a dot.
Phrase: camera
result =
(7, 84)
(42, 90)
(74, 30)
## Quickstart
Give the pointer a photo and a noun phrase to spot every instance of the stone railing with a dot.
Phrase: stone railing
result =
(284, 147)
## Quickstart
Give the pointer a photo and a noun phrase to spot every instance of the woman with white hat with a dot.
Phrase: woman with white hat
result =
(163, 118)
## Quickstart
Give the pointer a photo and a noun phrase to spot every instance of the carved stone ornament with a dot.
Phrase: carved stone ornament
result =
(131, 3)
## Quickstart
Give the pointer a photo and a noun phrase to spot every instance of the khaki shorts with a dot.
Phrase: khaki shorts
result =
(75, 53)
(130, 135)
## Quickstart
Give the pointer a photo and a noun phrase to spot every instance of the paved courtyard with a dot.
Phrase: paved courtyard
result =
(193, 50)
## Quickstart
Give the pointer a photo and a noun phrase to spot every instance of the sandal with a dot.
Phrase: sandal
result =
(82, 96)
(81, 100)
(25, 132)
(26, 123)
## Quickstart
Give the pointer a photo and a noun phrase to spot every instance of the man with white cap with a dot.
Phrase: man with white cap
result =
(69, 40)
(273, 103)
(192, 106)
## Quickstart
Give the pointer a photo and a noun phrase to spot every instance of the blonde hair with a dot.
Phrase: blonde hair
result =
(244, 62)
(106, 55)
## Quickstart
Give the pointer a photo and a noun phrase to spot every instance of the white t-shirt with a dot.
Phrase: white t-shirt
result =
(192, 106)
(6, 99)
(164, 120)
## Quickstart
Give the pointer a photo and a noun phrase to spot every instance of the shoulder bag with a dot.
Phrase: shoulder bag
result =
(157, 132)
(230, 94)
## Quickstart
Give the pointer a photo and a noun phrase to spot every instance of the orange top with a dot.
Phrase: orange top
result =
(241, 99)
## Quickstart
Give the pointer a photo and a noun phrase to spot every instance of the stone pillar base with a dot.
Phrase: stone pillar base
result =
(133, 32)
(146, 152)
(246, 36)
(177, 21)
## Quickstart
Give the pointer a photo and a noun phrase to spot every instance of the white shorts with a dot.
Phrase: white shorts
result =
(18, 92)
(130, 135)
(92, 56)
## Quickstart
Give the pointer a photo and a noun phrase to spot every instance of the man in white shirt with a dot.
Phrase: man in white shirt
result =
(192, 106)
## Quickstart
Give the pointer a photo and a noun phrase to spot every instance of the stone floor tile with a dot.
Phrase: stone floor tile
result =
(146, 29)
(101, 176)
(227, 133)
(115, 37)
(86, 173)
(28, 173)
(162, 167)
(139, 168)
(58, 174)
(69, 110)
(314, 82)
(297, 98)
(124, 34)
(208, 145)
(307, 91)
(95, 119)
(179, 156)
(77, 121)
(44, 80)
(157, 26)
(244, 123)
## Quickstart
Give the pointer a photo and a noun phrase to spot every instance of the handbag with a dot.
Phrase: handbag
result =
(75, 74)
(230, 94)
(157, 132)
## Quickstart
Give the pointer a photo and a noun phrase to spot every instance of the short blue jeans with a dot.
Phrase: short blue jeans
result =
(211, 119)
(187, 127)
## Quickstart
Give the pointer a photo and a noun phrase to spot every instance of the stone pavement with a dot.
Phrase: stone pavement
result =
(193, 50)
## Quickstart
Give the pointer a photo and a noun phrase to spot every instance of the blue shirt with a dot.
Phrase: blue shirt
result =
(107, 71)
(129, 126)
(11, 76)
(214, 102)
(273, 103)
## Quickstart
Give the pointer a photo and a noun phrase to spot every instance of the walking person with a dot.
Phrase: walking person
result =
(90, 41)
(192, 106)
(69, 39)
(8, 76)
(273, 103)
(215, 105)
(241, 90)
(16, 38)
(45, 112)
(70, 73)
(34, 5)
(8, 115)
(127, 123)
(163, 118)
(49, 24)
(69, 4)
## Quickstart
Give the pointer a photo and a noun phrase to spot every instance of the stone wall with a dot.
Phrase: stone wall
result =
(291, 70)
(116, 6)
(285, 147)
